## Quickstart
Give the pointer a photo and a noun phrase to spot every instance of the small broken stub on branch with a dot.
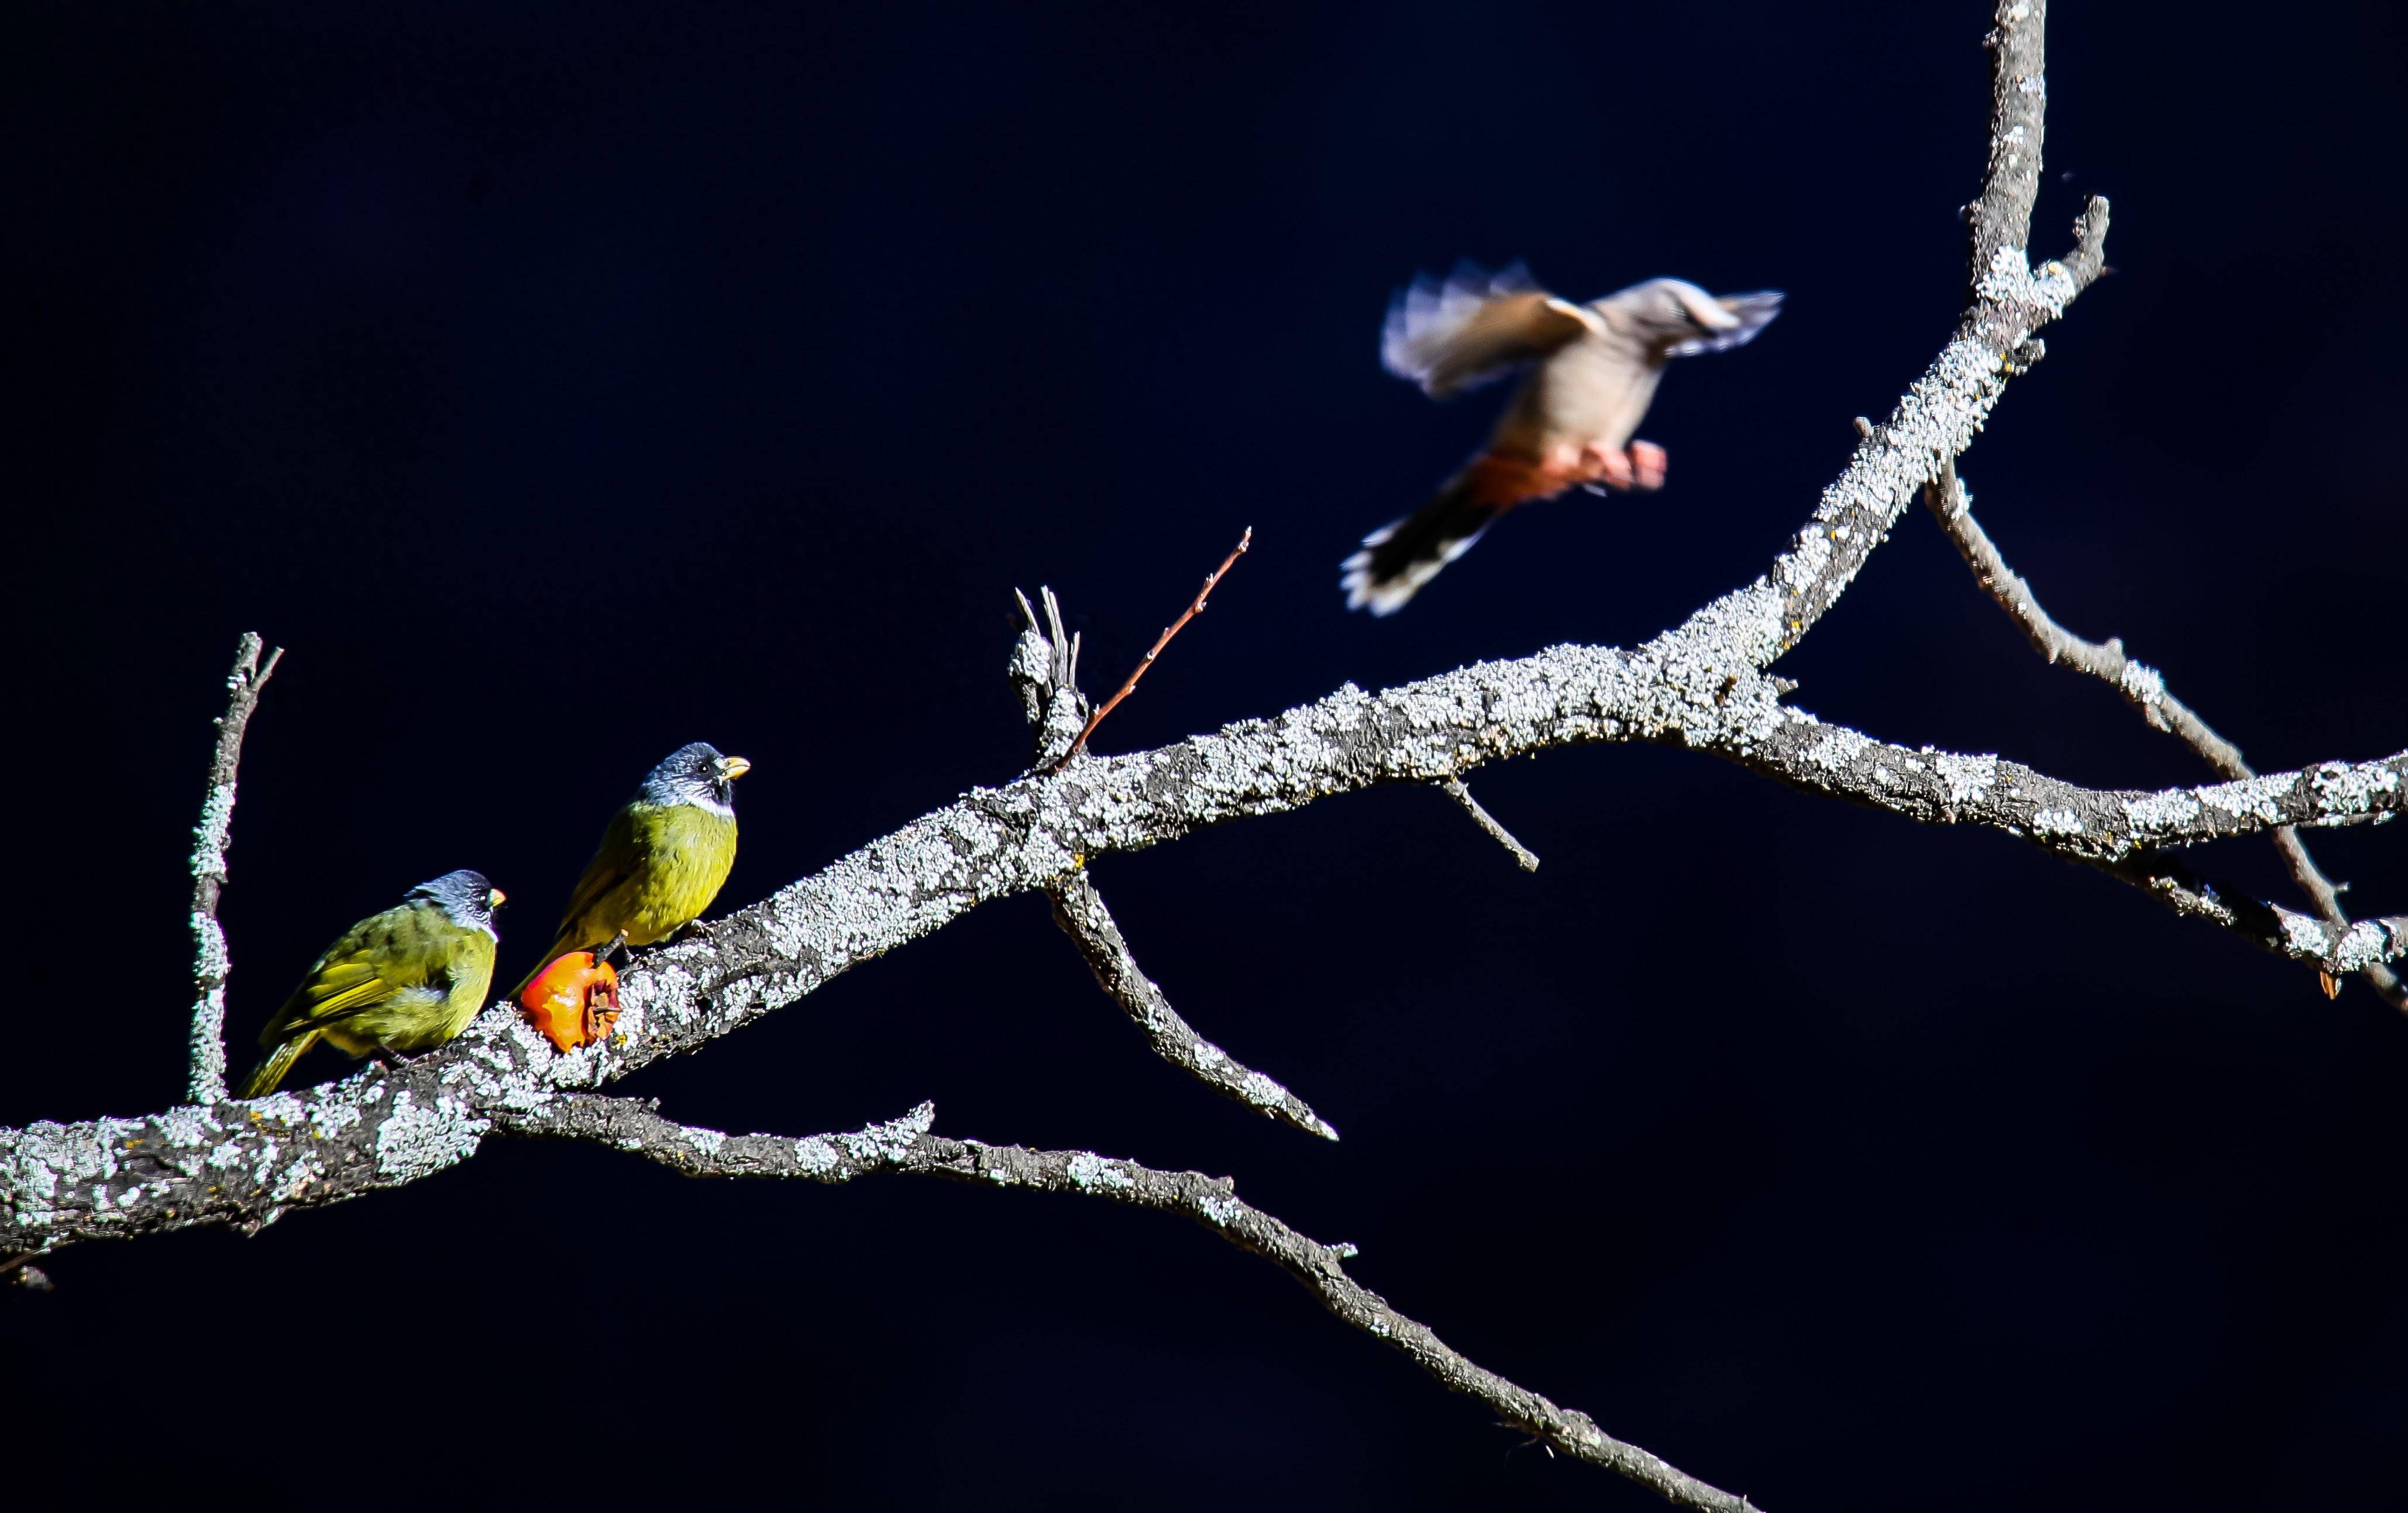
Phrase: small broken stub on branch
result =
(574, 1002)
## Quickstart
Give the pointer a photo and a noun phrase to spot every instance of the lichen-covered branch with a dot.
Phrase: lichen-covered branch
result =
(242, 1163)
(212, 963)
(1078, 909)
(904, 1146)
(2143, 686)
(2120, 833)
(2008, 301)
(2086, 825)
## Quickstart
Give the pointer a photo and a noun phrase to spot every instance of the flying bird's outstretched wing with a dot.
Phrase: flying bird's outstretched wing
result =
(1458, 335)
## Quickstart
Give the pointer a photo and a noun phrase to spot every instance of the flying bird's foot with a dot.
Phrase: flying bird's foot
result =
(701, 928)
(603, 954)
(1647, 462)
(389, 1059)
(1614, 470)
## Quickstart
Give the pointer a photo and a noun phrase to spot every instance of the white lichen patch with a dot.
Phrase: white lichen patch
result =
(1804, 563)
(2253, 798)
(1218, 1209)
(2304, 935)
(1969, 778)
(664, 985)
(418, 1140)
(2347, 789)
(1839, 749)
(1262, 1091)
(282, 1107)
(1088, 1171)
(48, 1168)
(2057, 822)
(888, 1142)
(815, 1155)
(707, 1142)
(210, 835)
(290, 1183)
(2366, 943)
(2008, 281)
(2161, 812)
(2143, 684)
(329, 1112)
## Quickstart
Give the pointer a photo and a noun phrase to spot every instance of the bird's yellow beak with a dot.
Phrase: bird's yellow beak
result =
(733, 766)
(495, 897)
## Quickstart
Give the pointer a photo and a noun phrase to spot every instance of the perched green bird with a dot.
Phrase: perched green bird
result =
(407, 979)
(662, 858)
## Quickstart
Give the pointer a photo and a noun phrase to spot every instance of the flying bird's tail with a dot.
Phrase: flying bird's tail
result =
(1400, 556)
(1403, 555)
(265, 1076)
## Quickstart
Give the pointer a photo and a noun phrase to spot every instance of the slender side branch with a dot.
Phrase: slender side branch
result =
(904, 1145)
(2350, 945)
(1455, 789)
(1078, 909)
(1175, 627)
(212, 964)
(1045, 671)
(2143, 686)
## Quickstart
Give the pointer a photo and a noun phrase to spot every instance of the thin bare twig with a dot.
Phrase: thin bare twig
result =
(1078, 909)
(213, 965)
(1455, 789)
(2143, 687)
(904, 1146)
(1160, 642)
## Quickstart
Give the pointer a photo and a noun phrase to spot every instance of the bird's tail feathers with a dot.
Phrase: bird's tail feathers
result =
(265, 1076)
(1402, 556)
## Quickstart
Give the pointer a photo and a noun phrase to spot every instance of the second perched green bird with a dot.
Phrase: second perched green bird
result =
(662, 858)
(407, 979)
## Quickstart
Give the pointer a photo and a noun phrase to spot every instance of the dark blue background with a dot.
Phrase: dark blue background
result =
(563, 382)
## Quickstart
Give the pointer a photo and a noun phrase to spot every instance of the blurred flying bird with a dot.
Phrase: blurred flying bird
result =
(1593, 369)
(407, 979)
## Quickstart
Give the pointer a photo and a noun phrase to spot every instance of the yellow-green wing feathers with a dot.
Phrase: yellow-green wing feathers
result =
(409, 978)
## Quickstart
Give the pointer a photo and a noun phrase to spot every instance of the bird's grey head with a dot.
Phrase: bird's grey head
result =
(466, 896)
(696, 774)
(1682, 320)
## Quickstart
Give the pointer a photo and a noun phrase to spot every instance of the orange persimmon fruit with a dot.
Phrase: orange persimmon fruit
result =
(574, 1002)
